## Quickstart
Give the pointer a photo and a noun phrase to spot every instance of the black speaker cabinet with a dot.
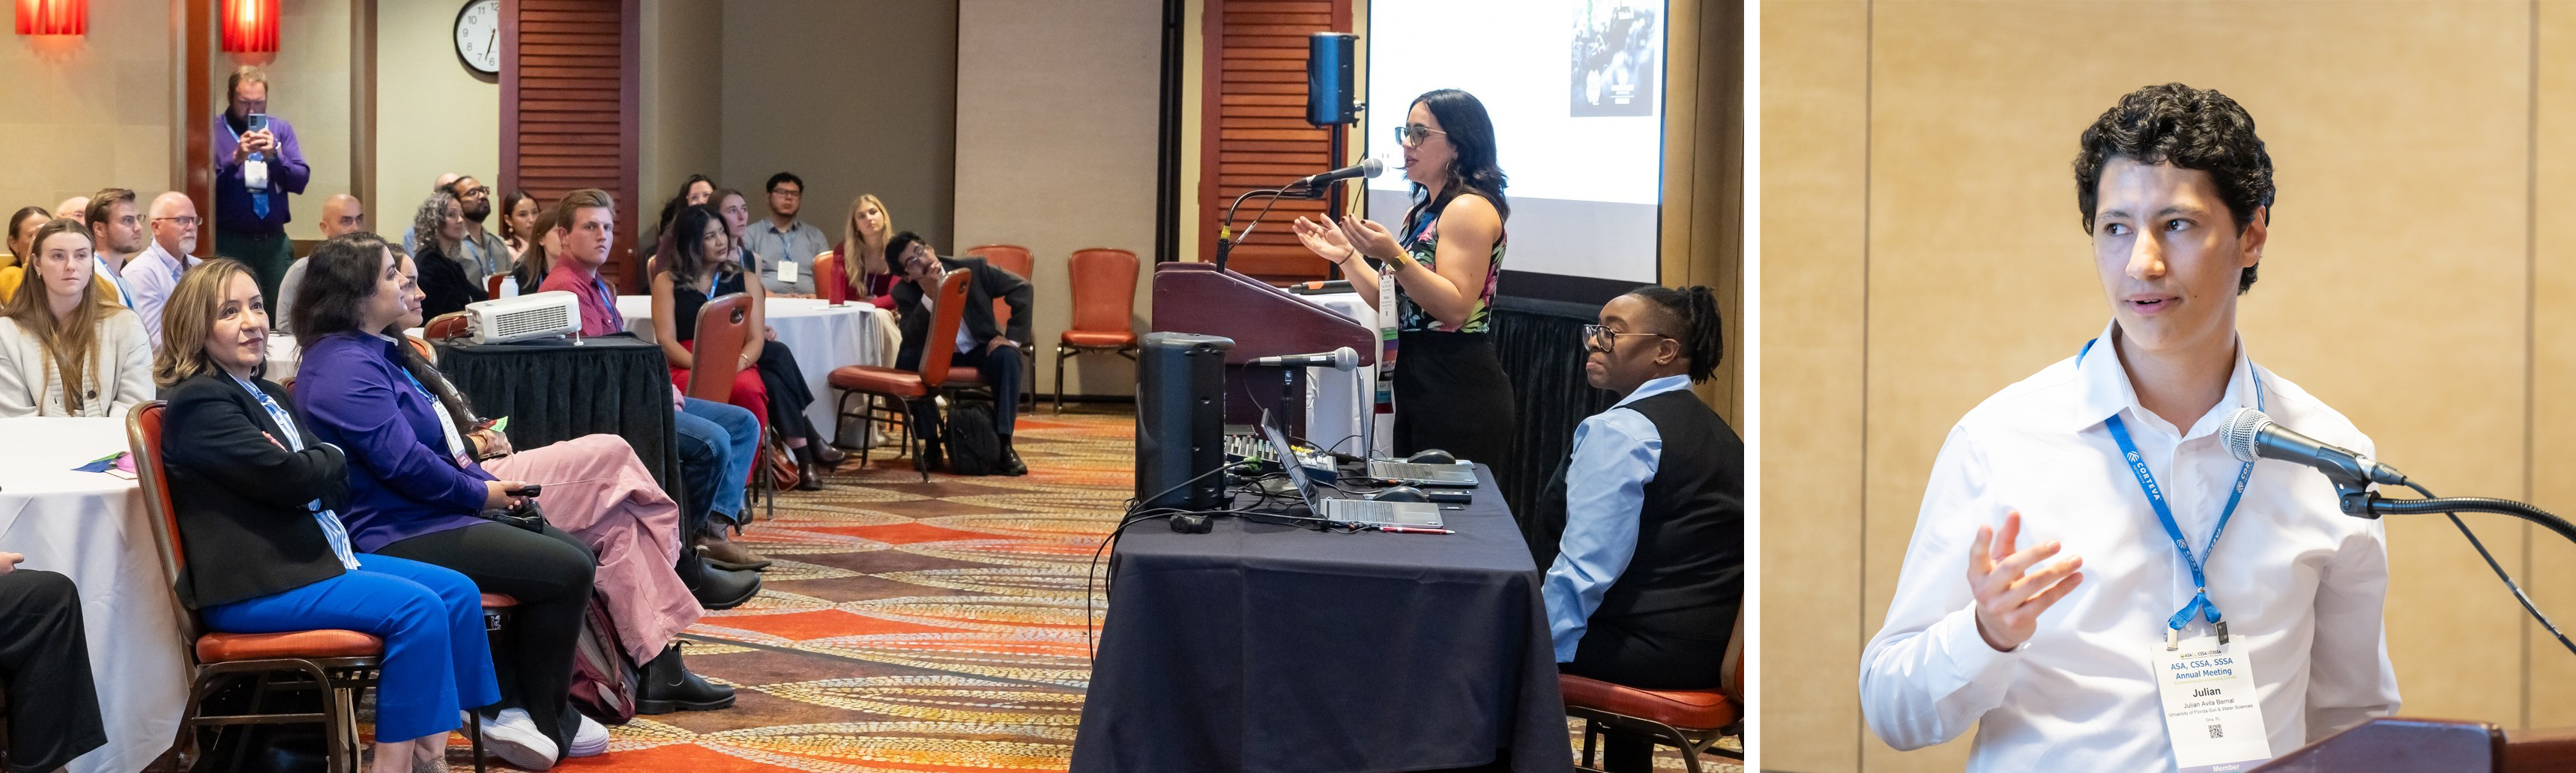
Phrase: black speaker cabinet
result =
(1329, 101)
(1180, 420)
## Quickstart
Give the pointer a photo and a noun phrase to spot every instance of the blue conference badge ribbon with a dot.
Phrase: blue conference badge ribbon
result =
(2137, 463)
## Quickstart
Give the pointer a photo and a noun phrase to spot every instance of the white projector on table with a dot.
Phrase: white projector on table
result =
(537, 315)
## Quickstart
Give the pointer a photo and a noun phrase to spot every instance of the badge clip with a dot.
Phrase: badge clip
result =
(2222, 633)
(2173, 638)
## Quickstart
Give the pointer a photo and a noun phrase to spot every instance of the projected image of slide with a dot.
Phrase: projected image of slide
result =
(1585, 170)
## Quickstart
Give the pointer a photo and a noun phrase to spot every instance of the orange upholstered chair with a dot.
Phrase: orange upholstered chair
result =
(1104, 294)
(1017, 260)
(895, 392)
(1691, 720)
(341, 664)
(724, 330)
(445, 327)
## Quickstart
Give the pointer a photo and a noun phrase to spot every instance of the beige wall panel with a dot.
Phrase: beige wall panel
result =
(1089, 75)
(854, 97)
(91, 111)
(682, 100)
(2549, 574)
(1814, 114)
(2398, 130)
(432, 115)
(308, 84)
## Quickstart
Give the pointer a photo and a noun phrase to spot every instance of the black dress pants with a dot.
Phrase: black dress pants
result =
(549, 572)
(44, 664)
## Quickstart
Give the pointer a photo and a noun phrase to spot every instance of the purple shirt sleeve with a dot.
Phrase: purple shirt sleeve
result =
(357, 401)
(288, 173)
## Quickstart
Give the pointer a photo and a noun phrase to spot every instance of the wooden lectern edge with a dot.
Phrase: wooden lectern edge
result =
(1367, 354)
(2378, 730)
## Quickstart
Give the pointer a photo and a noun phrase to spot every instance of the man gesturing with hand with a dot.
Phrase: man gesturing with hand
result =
(2226, 612)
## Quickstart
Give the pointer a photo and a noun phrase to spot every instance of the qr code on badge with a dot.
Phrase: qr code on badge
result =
(2216, 731)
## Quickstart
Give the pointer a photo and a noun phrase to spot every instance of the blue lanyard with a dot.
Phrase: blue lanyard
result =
(285, 422)
(333, 531)
(2137, 463)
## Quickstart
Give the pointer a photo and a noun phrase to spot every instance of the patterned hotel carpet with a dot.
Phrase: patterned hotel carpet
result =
(910, 627)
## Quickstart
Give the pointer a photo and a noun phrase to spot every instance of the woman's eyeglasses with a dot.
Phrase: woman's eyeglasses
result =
(1412, 136)
(1599, 338)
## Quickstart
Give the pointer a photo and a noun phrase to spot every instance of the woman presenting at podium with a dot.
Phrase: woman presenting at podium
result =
(1450, 391)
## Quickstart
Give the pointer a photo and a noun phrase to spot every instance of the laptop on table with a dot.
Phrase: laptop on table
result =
(1420, 515)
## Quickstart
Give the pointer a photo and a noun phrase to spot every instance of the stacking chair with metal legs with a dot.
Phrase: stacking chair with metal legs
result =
(909, 393)
(1104, 293)
(341, 664)
(1690, 720)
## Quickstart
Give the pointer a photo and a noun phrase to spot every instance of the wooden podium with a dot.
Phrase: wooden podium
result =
(2392, 744)
(1264, 321)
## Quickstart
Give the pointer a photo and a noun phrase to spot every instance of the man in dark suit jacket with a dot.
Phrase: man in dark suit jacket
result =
(981, 343)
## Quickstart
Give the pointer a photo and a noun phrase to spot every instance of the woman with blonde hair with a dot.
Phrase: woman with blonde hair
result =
(258, 499)
(67, 347)
(865, 277)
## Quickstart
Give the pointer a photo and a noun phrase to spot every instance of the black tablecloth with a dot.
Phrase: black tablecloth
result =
(1261, 647)
(555, 391)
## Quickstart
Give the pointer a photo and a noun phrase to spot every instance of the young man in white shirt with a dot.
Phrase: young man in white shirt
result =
(2069, 670)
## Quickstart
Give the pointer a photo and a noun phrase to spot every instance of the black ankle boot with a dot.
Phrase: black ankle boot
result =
(809, 475)
(667, 686)
(824, 453)
(1011, 464)
(716, 589)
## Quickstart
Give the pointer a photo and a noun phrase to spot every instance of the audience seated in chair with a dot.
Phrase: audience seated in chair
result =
(1644, 539)
(718, 442)
(341, 214)
(256, 498)
(67, 347)
(789, 395)
(151, 274)
(444, 274)
(44, 667)
(701, 263)
(22, 245)
(415, 491)
(980, 342)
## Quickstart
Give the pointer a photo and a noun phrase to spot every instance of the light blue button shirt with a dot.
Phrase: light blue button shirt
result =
(1615, 454)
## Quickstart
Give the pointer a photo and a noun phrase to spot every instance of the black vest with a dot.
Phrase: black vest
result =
(1690, 534)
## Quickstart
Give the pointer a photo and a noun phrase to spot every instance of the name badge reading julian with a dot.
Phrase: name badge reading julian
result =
(2212, 714)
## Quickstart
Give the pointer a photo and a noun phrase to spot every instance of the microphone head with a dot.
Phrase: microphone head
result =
(2240, 431)
(1372, 168)
(1345, 358)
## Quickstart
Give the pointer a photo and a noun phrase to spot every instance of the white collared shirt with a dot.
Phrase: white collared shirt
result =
(148, 278)
(2301, 584)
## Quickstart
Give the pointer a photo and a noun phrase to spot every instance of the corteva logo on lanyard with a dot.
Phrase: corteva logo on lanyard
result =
(2213, 713)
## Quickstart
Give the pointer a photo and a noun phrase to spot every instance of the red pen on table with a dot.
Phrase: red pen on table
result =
(1411, 530)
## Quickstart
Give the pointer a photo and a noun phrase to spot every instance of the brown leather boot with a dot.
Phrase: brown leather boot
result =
(724, 553)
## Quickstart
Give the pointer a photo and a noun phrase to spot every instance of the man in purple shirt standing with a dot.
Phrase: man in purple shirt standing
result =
(257, 163)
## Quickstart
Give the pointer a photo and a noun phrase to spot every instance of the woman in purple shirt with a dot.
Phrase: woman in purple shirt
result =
(415, 491)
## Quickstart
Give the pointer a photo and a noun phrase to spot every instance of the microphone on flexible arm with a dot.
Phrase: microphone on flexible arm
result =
(1369, 168)
(1343, 358)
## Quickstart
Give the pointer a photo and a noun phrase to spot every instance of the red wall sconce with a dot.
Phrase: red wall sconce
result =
(53, 17)
(250, 26)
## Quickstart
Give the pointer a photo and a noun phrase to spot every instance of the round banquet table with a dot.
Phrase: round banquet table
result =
(823, 337)
(92, 527)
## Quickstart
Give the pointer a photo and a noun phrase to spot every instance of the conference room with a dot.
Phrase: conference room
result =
(878, 385)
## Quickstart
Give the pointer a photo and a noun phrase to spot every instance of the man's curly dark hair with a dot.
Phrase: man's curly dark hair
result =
(2188, 128)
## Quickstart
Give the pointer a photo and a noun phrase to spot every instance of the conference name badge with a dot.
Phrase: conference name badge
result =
(255, 174)
(786, 272)
(2212, 713)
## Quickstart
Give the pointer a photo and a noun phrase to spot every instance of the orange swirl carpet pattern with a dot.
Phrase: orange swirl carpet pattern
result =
(908, 627)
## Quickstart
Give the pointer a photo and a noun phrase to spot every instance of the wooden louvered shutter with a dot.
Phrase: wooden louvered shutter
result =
(568, 89)
(1256, 135)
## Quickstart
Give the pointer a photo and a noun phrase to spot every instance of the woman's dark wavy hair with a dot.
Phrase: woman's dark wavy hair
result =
(2190, 129)
(1471, 132)
(339, 278)
(684, 253)
(1694, 310)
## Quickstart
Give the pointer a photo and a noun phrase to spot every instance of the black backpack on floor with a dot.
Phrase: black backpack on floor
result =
(973, 447)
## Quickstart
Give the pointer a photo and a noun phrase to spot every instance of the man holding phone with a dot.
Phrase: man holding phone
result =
(257, 164)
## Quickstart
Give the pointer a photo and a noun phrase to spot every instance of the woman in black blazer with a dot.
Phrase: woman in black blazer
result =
(255, 495)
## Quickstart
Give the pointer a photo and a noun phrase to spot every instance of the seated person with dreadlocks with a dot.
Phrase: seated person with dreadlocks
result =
(1643, 584)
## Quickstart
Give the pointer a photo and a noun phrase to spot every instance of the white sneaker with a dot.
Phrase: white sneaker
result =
(591, 740)
(514, 738)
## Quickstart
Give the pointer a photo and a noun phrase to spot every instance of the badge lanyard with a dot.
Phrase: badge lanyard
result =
(334, 532)
(446, 423)
(2137, 464)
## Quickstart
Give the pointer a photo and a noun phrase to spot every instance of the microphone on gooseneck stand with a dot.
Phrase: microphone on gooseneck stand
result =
(1344, 358)
(2251, 435)
(1369, 168)
(1310, 185)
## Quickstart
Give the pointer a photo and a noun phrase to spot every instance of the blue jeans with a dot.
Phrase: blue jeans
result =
(431, 618)
(718, 443)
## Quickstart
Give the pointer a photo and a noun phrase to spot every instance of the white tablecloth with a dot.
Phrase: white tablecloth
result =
(823, 337)
(92, 528)
(1334, 401)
